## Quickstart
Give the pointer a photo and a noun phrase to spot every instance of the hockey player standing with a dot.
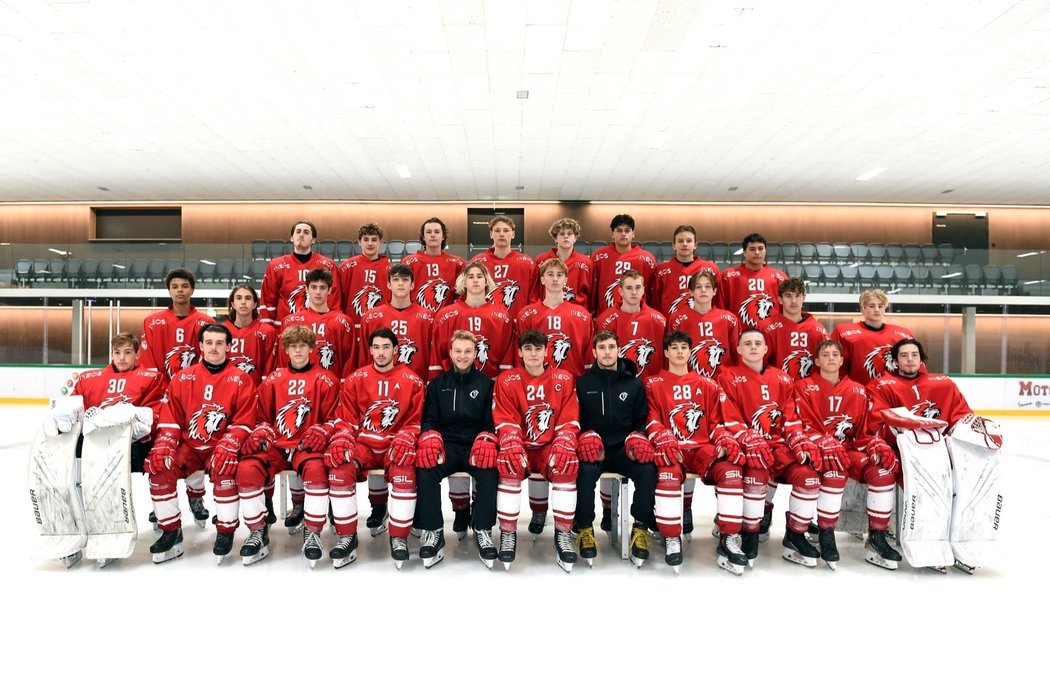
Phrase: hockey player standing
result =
(489, 323)
(640, 327)
(613, 412)
(513, 272)
(362, 276)
(336, 349)
(566, 232)
(284, 282)
(747, 289)
(866, 344)
(412, 324)
(209, 411)
(434, 270)
(253, 348)
(169, 336)
(568, 327)
(537, 420)
(670, 284)
(714, 330)
(612, 260)
(457, 435)
(792, 334)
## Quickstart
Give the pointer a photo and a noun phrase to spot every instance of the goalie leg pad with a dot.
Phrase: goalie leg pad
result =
(927, 500)
(54, 493)
(978, 502)
(106, 484)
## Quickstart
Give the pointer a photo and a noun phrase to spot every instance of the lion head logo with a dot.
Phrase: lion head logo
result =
(325, 355)
(925, 408)
(381, 415)
(178, 358)
(683, 301)
(639, 350)
(366, 298)
(611, 295)
(685, 420)
(755, 308)
(506, 292)
(879, 361)
(406, 350)
(207, 421)
(798, 364)
(843, 426)
(706, 357)
(292, 415)
(766, 419)
(433, 294)
(297, 299)
(560, 347)
(538, 421)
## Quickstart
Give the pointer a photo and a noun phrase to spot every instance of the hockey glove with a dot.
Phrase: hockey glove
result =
(756, 450)
(483, 453)
(402, 449)
(340, 449)
(805, 451)
(260, 439)
(431, 450)
(315, 438)
(224, 457)
(833, 456)
(668, 453)
(67, 412)
(590, 447)
(882, 455)
(162, 455)
(512, 460)
(979, 428)
(564, 461)
(728, 448)
(639, 448)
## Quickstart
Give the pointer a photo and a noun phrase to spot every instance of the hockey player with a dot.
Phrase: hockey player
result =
(295, 422)
(336, 349)
(513, 272)
(685, 426)
(670, 284)
(714, 330)
(866, 343)
(568, 327)
(760, 414)
(957, 493)
(747, 289)
(253, 348)
(169, 336)
(613, 412)
(457, 435)
(380, 406)
(209, 411)
(434, 270)
(412, 324)
(537, 421)
(834, 413)
(284, 282)
(792, 334)
(612, 260)
(566, 232)
(362, 276)
(488, 323)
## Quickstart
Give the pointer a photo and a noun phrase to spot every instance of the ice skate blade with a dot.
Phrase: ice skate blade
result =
(969, 570)
(638, 562)
(103, 562)
(343, 562)
(220, 559)
(312, 563)
(201, 523)
(831, 564)
(506, 565)
(877, 560)
(567, 567)
(431, 562)
(461, 535)
(794, 556)
(590, 562)
(859, 536)
(72, 559)
(724, 564)
(376, 531)
(676, 569)
(488, 563)
(296, 529)
(763, 536)
(169, 555)
(249, 560)
(398, 564)
(943, 570)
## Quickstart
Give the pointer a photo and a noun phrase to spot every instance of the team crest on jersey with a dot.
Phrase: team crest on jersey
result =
(381, 415)
(640, 350)
(366, 298)
(610, 294)
(296, 299)
(879, 361)
(246, 365)
(843, 426)
(798, 364)
(432, 295)
(766, 419)
(325, 356)
(483, 350)
(506, 291)
(683, 301)
(685, 420)
(560, 346)
(292, 415)
(207, 421)
(926, 408)
(755, 308)
(706, 357)
(538, 421)
(406, 350)
(178, 358)
(568, 293)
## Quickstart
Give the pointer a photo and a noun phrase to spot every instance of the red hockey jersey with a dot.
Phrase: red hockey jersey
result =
(751, 295)
(490, 325)
(434, 278)
(540, 406)
(641, 337)
(569, 330)
(169, 344)
(609, 265)
(284, 286)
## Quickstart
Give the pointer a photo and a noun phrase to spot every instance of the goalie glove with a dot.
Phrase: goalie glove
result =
(882, 455)
(756, 450)
(483, 453)
(978, 429)
(260, 439)
(315, 438)
(639, 448)
(224, 457)
(67, 412)
(667, 452)
(925, 430)
(590, 447)
(340, 449)
(512, 460)
(728, 448)
(402, 450)
(431, 449)
(162, 455)
(564, 461)
(833, 456)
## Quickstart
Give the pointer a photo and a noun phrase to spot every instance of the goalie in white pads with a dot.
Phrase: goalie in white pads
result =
(112, 398)
(952, 499)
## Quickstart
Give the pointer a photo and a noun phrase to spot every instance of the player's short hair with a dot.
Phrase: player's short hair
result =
(384, 333)
(463, 335)
(121, 339)
(215, 328)
(746, 331)
(695, 279)
(444, 231)
(603, 335)
(532, 338)
(896, 349)
(255, 296)
(298, 335)
(400, 270)
(753, 238)
(677, 336)
(792, 285)
(622, 220)
(180, 273)
(461, 280)
(370, 229)
(629, 274)
(318, 274)
(877, 294)
(502, 219)
(553, 262)
(828, 343)
(313, 228)
(684, 228)
(570, 223)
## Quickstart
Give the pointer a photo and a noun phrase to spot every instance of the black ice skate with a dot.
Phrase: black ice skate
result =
(730, 556)
(587, 545)
(398, 550)
(461, 522)
(537, 523)
(223, 546)
(432, 547)
(673, 552)
(765, 524)
(749, 545)
(829, 551)
(294, 521)
(563, 546)
(200, 513)
(508, 544)
(486, 549)
(377, 520)
(639, 545)
(344, 552)
(256, 547)
(797, 549)
(168, 547)
(312, 548)
(687, 522)
(878, 552)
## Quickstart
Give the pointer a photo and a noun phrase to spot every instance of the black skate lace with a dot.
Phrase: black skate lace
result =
(344, 542)
(255, 538)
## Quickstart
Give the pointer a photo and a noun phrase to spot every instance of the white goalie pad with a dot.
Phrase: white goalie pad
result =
(974, 448)
(55, 495)
(925, 509)
(106, 487)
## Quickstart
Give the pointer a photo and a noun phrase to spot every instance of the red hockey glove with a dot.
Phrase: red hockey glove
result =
(639, 448)
(402, 450)
(728, 448)
(431, 449)
(259, 440)
(315, 438)
(564, 461)
(512, 460)
(668, 453)
(483, 453)
(756, 450)
(224, 457)
(833, 456)
(806, 451)
(882, 455)
(590, 447)
(340, 449)
(162, 455)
